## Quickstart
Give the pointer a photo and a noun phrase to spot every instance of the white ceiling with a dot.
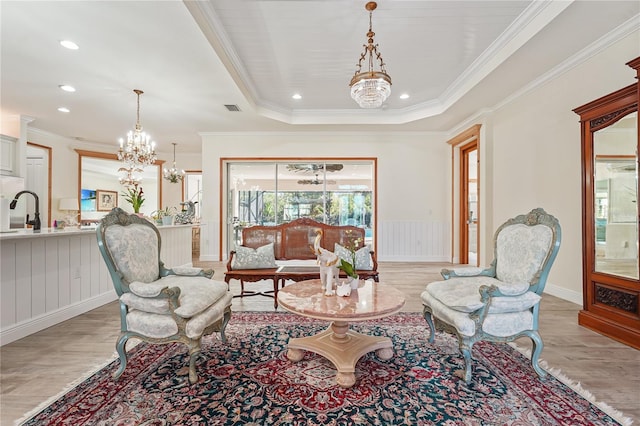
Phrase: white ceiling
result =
(191, 58)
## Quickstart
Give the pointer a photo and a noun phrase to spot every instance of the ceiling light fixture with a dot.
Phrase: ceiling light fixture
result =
(69, 44)
(67, 88)
(174, 175)
(138, 151)
(370, 88)
(64, 109)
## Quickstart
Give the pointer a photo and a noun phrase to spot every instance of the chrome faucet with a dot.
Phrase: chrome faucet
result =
(36, 220)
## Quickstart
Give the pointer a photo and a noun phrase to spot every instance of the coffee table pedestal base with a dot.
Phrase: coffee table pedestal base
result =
(341, 346)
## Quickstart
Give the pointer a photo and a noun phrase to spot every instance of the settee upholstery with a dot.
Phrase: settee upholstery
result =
(294, 241)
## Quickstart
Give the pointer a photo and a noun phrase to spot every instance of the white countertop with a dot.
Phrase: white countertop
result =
(22, 233)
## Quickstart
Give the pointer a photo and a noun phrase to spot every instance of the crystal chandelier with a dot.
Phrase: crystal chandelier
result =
(173, 175)
(370, 88)
(138, 151)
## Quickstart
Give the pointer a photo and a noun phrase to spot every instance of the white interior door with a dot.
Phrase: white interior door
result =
(37, 180)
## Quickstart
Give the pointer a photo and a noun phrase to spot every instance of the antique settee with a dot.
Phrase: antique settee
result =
(266, 253)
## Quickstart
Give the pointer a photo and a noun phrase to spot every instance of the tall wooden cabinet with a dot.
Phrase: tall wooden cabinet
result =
(611, 219)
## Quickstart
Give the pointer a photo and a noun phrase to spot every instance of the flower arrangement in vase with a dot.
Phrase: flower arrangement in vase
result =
(135, 196)
(349, 266)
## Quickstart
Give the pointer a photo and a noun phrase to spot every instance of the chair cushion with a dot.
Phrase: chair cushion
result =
(151, 324)
(197, 324)
(463, 294)
(134, 249)
(521, 251)
(187, 269)
(467, 271)
(249, 258)
(196, 295)
(363, 257)
(162, 326)
(501, 325)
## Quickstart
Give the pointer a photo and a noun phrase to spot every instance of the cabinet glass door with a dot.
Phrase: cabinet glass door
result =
(615, 198)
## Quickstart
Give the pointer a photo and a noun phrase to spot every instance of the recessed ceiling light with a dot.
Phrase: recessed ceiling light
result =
(64, 109)
(297, 96)
(404, 96)
(67, 88)
(69, 44)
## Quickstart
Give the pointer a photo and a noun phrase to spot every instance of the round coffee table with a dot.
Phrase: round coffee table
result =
(341, 346)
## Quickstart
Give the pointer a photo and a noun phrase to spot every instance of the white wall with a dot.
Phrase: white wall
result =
(535, 145)
(9, 124)
(413, 182)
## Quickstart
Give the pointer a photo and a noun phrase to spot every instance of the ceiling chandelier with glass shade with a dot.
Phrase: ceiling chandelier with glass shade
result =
(370, 88)
(137, 151)
(173, 175)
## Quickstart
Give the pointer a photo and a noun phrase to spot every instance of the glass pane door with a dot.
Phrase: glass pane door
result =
(616, 198)
(337, 192)
(469, 203)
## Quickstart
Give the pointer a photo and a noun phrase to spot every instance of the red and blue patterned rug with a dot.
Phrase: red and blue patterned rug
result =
(250, 381)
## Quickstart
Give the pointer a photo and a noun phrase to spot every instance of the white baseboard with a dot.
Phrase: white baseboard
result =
(563, 293)
(413, 259)
(33, 325)
(209, 258)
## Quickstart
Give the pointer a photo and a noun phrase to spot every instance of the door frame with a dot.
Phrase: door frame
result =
(459, 234)
(465, 150)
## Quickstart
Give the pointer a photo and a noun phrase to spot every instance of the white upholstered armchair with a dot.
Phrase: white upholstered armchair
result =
(157, 304)
(500, 303)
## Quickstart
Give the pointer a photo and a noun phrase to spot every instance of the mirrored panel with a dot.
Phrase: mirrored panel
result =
(616, 198)
(100, 189)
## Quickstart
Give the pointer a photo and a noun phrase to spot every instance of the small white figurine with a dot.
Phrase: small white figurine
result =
(328, 262)
(344, 289)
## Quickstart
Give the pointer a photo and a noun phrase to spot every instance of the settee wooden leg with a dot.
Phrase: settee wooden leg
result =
(276, 284)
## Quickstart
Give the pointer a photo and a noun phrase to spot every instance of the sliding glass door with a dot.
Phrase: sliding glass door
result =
(337, 192)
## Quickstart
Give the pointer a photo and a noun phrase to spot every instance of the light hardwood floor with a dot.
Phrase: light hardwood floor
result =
(35, 368)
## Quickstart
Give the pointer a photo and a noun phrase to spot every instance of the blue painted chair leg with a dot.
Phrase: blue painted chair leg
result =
(225, 321)
(466, 353)
(432, 329)
(538, 345)
(122, 353)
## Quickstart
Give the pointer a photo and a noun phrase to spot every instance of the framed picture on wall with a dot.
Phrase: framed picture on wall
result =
(88, 200)
(106, 200)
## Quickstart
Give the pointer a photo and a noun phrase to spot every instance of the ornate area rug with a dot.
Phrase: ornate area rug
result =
(250, 381)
